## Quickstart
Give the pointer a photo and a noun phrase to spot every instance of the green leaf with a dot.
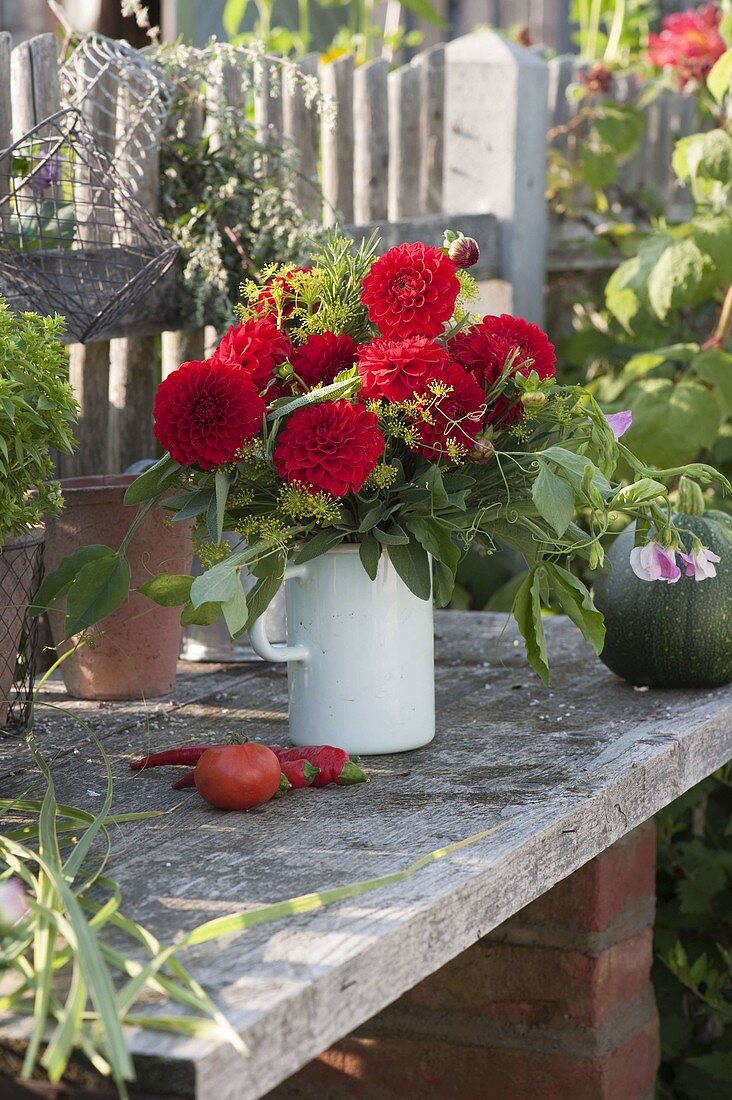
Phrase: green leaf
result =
(395, 536)
(527, 613)
(574, 468)
(713, 234)
(424, 10)
(672, 423)
(168, 589)
(719, 83)
(263, 592)
(57, 583)
(222, 484)
(444, 582)
(370, 553)
(676, 277)
(413, 566)
(717, 1065)
(345, 388)
(232, 16)
(621, 298)
(436, 486)
(554, 499)
(319, 544)
(98, 590)
(645, 361)
(204, 615)
(620, 128)
(598, 169)
(218, 584)
(715, 366)
(235, 610)
(644, 490)
(189, 505)
(151, 483)
(576, 603)
(434, 535)
(371, 517)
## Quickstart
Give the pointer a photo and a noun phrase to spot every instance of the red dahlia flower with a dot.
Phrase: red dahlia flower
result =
(333, 446)
(205, 411)
(396, 369)
(266, 303)
(458, 417)
(257, 346)
(484, 349)
(411, 291)
(689, 42)
(322, 357)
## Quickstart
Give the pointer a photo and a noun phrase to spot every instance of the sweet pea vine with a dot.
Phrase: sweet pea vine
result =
(359, 401)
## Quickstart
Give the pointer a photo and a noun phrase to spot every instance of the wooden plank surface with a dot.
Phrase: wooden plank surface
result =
(567, 770)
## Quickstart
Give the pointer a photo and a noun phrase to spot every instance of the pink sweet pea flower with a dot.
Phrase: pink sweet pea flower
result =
(619, 422)
(700, 563)
(12, 903)
(654, 562)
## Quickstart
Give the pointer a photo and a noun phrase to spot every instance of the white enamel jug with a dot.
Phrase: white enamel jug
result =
(360, 656)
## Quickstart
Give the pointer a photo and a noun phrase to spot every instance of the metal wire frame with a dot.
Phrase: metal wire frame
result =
(124, 97)
(21, 572)
(73, 239)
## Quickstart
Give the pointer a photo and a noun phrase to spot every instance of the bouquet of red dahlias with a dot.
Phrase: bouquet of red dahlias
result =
(360, 401)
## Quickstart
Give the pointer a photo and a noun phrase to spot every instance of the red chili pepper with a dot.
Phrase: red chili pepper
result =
(299, 772)
(185, 781)
(188, 755)
(335, 764)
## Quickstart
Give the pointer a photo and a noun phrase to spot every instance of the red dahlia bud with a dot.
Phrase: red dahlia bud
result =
(464, 251)
(482, 451)
(523, 37)
(533, 399)
(598, 80)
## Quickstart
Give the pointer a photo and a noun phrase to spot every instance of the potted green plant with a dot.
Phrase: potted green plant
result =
(37, 411)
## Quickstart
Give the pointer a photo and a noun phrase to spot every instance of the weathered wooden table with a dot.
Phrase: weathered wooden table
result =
(567, 771)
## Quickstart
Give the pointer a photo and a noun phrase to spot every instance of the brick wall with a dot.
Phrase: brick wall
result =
(555, 1004)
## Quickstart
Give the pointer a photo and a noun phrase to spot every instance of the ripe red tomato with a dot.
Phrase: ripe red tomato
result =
(238, 777)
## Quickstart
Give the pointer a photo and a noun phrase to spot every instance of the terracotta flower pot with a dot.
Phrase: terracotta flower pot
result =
(132, 653)
(18, 578)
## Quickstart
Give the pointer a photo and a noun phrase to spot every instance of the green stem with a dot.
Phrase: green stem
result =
(616, 30)
(303, 8)
(725, 320)
(594, 29)
(144, 509)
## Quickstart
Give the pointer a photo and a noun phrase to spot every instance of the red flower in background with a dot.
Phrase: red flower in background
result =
(257, 346)
(266, 303)
(689, 43)
(396, 369)
(411, 291)
(484, 349)
(333, 446)
(322, 357)
(205, 411)
(458, 417)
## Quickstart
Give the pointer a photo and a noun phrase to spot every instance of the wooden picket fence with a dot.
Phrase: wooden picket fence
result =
(456, 138)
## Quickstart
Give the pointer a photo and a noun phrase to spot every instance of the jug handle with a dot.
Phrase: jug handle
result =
(258, 633)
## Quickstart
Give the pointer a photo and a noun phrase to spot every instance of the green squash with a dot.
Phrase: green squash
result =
(669, 635)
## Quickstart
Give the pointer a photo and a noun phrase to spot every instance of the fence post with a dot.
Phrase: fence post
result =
(495, 157)
(134, 363)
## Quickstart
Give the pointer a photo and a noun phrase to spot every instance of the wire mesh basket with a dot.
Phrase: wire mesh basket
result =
(21, 571)
(123, 97)
(72, 237)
